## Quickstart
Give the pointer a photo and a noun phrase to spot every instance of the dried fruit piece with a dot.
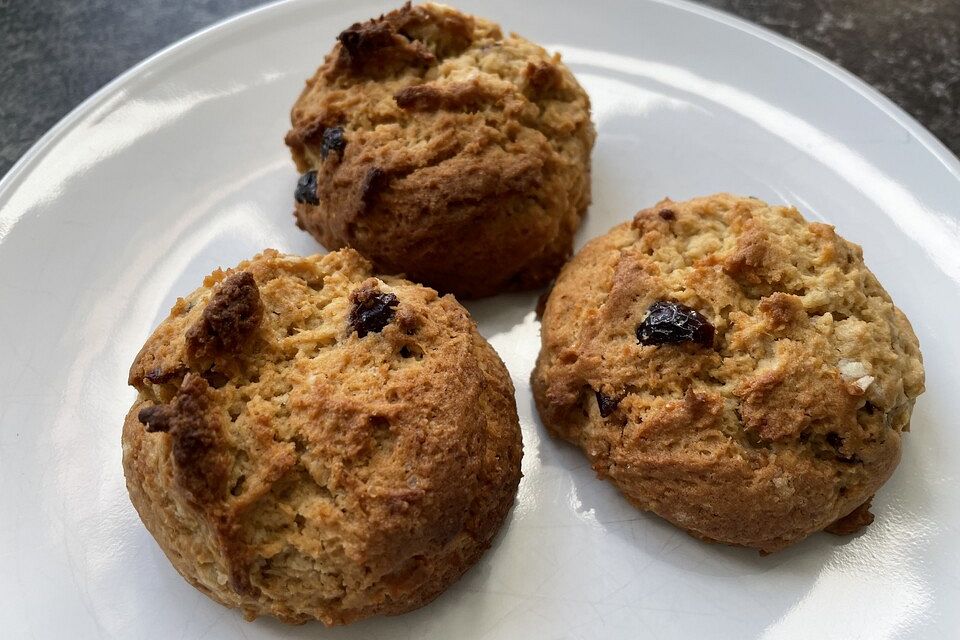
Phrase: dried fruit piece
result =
(306, 192)
(836, 441)
(159, 375)
(333, 140)
(673, 323)
(372, 310)
(157, 418)
(606, 404)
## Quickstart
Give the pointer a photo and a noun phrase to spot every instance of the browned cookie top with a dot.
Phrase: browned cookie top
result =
(442, 149)
(731, 367)
(313, 441)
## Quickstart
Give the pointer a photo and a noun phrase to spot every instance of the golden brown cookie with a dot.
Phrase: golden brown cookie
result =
(732, 368)
(313, 441)
(441, 149)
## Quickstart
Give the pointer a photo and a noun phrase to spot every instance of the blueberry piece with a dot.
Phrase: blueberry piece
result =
(372, 310)
(333, 140)
(673, 323)
(306, 192)
(606, 404)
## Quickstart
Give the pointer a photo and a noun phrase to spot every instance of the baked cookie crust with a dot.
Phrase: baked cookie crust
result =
(313, 441)
(444, 150)
(781, 421)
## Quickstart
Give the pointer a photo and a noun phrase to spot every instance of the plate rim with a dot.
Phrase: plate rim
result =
(22, 167)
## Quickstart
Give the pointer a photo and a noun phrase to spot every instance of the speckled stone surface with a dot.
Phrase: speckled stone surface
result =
(908, 49)
(55, 53)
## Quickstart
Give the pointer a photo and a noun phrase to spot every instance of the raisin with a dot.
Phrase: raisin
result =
(306, 192)
(333, 140)
(606, 404)
(159, 375)
(672, 323)
(667, 214)
(156, 419)
(836, 441)
(372, 310)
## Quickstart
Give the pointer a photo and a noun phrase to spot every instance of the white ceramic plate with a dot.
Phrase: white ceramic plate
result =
(178, 167)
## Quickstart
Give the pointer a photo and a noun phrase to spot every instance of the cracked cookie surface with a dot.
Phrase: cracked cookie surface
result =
(313, 441)
(442, 149)
(783, 423)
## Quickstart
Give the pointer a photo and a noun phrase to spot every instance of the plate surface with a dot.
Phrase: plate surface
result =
(178, 167)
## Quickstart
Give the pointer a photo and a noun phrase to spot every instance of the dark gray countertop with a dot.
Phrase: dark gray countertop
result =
(55, 53)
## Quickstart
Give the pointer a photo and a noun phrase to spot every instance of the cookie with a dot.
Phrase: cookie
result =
(441, 149)
(731, 367)
(313, 441)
